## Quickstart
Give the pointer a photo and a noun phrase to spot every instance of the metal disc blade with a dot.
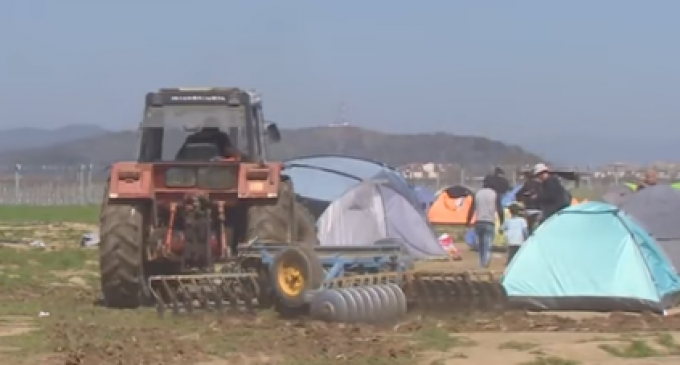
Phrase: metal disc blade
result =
(392, 301)
(360, 304)
(379, 306)
(352, 306)
(371, 307)
(387, 302)
(401, 299)
(329, 305)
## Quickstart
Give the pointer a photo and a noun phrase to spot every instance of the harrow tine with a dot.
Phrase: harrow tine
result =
(203, 297)
(188, 293)
(174, 304)
(186, 298)
(250, 290)
(230, 294)
(214, 295)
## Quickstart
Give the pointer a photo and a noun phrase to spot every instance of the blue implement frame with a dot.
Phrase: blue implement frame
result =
(340, 261)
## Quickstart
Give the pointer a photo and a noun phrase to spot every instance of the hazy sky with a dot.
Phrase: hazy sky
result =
(539, 73)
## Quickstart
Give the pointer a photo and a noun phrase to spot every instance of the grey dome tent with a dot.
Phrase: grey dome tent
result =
(617, 195)
(374, 210)
(321, 179)
(657, 210)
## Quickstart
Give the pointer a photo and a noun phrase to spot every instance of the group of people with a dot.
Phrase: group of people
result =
(541, 196)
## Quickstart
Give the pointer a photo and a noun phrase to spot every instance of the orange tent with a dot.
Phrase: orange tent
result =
(451, 206)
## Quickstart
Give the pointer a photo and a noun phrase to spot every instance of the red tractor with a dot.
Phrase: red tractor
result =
(184, 210)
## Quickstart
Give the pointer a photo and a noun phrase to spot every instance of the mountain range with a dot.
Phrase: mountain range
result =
(76, 144)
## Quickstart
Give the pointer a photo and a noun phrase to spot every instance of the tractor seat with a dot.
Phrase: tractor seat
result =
(198, 152)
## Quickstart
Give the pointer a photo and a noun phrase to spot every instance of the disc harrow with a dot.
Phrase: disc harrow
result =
(447, 292)
(234, 292)
(332, 289)
(359, 304)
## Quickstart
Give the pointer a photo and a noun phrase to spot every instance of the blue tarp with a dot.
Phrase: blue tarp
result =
(511, 195)
(591, 256)
(425, 196)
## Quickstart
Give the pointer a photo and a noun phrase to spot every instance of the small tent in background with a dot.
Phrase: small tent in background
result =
(657, 209)
(616, 195)
(373, 211)
(451, 206)
(591, 256)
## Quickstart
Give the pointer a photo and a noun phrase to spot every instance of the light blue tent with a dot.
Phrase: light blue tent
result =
(591, 256)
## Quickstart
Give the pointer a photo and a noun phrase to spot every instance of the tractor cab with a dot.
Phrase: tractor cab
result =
(203, 124)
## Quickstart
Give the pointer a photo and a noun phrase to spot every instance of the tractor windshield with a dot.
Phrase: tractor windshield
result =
(173, 124)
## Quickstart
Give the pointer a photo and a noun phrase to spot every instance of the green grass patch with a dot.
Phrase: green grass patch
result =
(49, 213)
(438, 339)
(518, 345)
(31, 272)
(634, 349)
(551, 360)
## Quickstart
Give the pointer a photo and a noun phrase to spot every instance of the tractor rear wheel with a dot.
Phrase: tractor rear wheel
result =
(305, 223)
(272, 223)
(120, 255)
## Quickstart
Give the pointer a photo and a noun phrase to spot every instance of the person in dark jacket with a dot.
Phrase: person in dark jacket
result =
(528, 196)
(214, 136)
(552, 196)
(498, 182)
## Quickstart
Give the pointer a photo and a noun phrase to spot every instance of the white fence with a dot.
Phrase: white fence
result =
(50, 193)
(83, 185)
(53, 185)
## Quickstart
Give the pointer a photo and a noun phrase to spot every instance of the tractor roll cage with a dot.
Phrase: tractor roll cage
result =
(234, 111)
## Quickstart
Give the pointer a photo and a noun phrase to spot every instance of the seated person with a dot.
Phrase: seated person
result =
(209, 135)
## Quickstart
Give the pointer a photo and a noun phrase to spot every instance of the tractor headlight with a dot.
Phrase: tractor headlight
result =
(218, 177)
(180, 177)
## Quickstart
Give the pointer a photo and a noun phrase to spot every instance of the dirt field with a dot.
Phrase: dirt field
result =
(48, 316)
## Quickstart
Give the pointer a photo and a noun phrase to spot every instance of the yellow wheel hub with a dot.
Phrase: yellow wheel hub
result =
(291, 281)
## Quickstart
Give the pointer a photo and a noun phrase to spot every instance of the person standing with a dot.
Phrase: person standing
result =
(552, 196)
(486, 206)
(516, 231)
(498, 182)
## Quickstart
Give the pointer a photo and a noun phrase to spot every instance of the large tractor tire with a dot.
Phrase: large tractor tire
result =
(305, 222)
(272, 223)
(120, 255)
